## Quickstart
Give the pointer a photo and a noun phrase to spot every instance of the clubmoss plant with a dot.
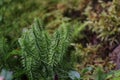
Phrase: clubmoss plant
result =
(42, 52)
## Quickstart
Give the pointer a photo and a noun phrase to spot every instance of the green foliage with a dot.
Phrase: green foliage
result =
(15, 15)
(113, 75)
(99, 74)
(43, 53)
(3, 52)
(79, 28)
(46, 51)
(9, 59)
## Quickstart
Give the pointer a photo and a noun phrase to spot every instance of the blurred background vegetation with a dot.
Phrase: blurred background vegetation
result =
(96, 25)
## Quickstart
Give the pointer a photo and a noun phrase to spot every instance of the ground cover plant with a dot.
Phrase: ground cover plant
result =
(59, 39)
